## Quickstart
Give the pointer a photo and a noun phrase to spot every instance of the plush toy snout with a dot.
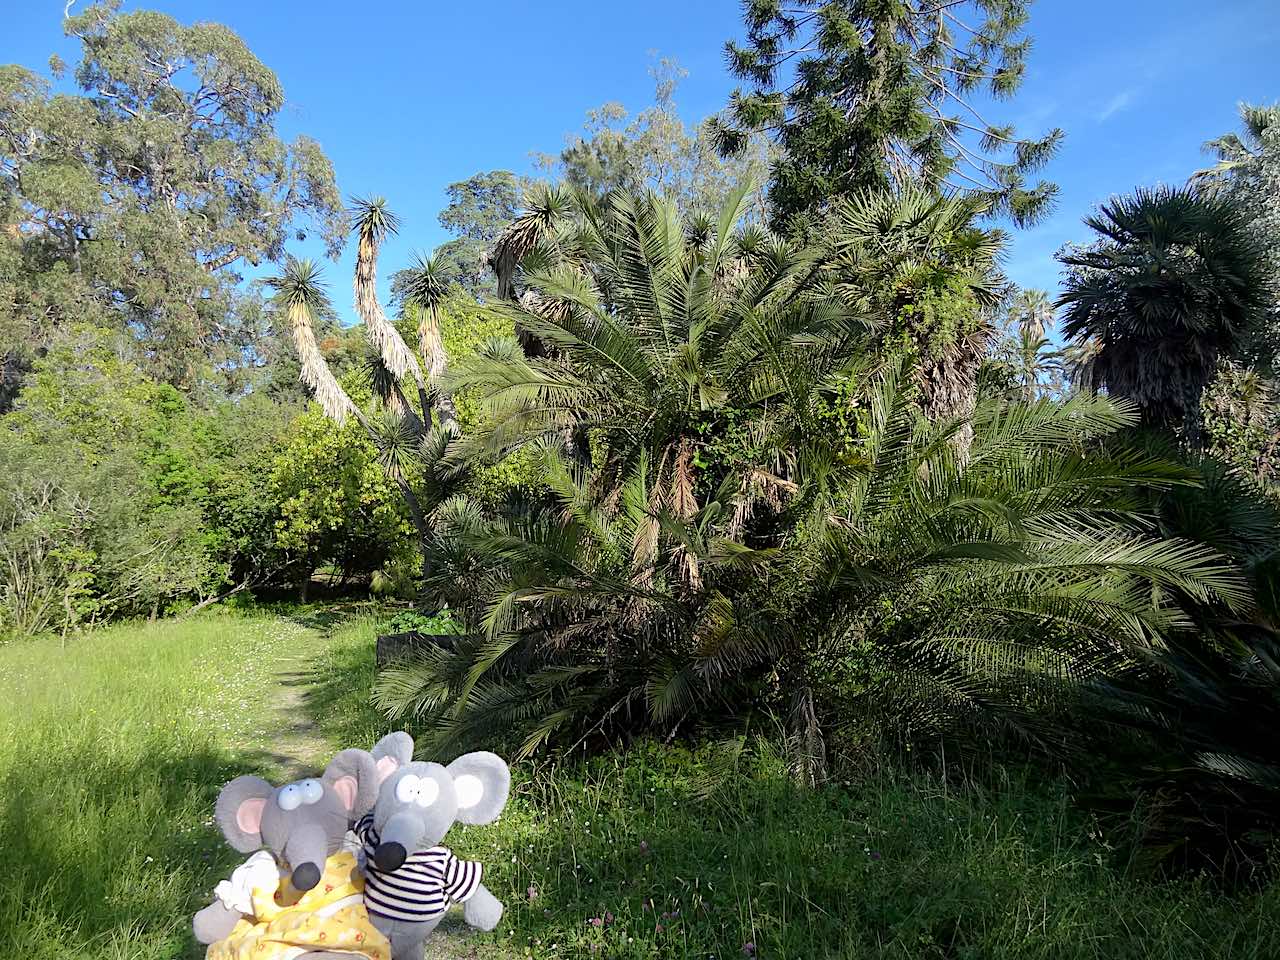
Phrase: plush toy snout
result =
(389, 856)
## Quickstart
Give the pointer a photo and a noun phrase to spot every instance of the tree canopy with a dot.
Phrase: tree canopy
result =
(136, 202)
(861, 94)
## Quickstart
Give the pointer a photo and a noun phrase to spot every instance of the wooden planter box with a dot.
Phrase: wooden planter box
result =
(394, 646)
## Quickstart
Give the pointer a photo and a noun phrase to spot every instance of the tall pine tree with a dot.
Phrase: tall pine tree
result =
(863, 93)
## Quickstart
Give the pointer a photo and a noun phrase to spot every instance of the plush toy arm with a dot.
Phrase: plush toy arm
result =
(482, 909)
(215, 922)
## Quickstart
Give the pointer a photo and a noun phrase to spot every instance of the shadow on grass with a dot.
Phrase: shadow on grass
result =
(336, 691)
(117, 854)
(328, 616)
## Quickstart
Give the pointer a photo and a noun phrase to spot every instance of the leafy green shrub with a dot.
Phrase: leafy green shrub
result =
(412, 621)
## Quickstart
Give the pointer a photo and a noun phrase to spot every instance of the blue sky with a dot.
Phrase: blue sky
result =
(407, 97)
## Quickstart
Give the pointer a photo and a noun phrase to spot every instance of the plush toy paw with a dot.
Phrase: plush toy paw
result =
(482, 910)
(215, 922)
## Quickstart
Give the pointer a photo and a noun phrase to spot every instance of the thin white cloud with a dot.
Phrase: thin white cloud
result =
(1117, 103)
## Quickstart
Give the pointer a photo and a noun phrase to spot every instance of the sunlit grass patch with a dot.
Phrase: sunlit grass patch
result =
(112, 750)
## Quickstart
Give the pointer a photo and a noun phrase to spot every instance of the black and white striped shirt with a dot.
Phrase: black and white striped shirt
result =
(419, 889)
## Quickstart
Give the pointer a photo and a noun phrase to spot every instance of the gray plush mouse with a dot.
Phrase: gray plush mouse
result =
(410, 879)
(301, 823)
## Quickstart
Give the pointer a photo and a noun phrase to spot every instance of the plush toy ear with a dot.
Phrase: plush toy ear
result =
(392, 752)
(239, 811)
(353, 776)
(482, 782)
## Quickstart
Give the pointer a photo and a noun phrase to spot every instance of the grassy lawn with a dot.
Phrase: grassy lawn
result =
(112, 751)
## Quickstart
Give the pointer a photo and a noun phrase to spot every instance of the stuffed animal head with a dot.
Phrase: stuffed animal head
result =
(303, 822)
(418, 802)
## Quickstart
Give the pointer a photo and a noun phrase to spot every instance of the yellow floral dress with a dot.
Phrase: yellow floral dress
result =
(329, 916)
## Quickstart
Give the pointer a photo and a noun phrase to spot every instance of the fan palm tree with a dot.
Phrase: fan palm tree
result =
(1238, 154)
(1173, 282)
(919, 263)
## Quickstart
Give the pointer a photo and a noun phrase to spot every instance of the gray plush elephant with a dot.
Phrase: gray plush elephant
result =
(301, 823)
(409, 879)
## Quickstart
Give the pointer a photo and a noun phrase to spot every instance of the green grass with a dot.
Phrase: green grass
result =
(112, 751)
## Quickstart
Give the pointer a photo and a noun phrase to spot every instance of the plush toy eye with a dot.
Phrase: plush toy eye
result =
(428, 790)
(312, 791)
(290, 796)
(407, 788)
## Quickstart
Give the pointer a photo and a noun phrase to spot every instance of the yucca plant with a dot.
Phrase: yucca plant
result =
(425, 293)
(300, 295)
(410, 448)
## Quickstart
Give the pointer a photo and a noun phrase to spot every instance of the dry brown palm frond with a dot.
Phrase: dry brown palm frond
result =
(806, 747)
(300, 291)
(371, 222)
(757, 486)
(315, 370)
(431, 344)
(644, 551)
(681, 499)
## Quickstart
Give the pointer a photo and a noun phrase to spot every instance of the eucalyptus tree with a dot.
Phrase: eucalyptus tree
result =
(137, 203)
(657, 150)
(1174, 282)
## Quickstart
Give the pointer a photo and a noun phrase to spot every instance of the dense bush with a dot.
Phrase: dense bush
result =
(121, 496)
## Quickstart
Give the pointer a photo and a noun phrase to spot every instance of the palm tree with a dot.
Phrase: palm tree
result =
(1238, 155)
(425, 292)
(1032, 313)
(545, 207)
(920, 266)
(1037, 362)
(1173, 282)
(372, 222)
(993, 589)
(1078, 359)
(1031, 316)
(301, 294)
(756, 515)
(658, 334)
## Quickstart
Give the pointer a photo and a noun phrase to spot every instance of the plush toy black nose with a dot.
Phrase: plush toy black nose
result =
(389, 856)
(305, 877)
